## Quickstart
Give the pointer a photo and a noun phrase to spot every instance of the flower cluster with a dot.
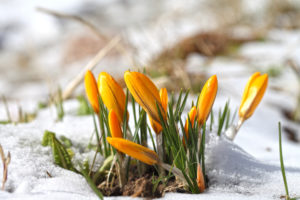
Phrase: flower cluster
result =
(180, 153)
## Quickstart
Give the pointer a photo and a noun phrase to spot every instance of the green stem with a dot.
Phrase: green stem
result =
(160, 152)
(100, 119)
(97, 134)
(282, 164)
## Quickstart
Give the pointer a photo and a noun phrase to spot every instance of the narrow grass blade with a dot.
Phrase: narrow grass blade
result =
(282, 164)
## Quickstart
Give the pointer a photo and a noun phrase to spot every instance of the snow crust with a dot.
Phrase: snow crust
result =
(233, 173)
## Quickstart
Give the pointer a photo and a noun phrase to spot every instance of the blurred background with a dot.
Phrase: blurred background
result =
(44, 45)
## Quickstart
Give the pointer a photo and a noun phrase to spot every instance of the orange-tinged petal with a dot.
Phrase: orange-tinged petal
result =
(145, 93)
(114, 125)
(163, 94)
(134, 150)
(112, 94)
(207, 98)
(192, 116)
(91, 90)
(253, 93)
(200, 179)
(250, 81)
(156, 126)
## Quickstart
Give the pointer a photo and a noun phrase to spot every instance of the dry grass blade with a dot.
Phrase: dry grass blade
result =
(114, 43)
(74, 17)
(79, 78)
(6, 109)
(5, 161)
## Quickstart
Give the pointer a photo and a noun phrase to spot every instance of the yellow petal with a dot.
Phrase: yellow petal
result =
(163, 94)
(91, 90)
(200, 179)
(156, 126)
(134, 150)
(114, 125)
(112, 94)
(207, 98)
(253, 93)
(192, 116)
(145, 93)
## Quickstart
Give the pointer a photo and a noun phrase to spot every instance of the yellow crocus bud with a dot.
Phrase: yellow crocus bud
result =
(207, 98)
(134, 150)
(145, 93)
(163, 94)
(253, 93)
(200, 179)
(91, 90)
(112, 95)
(192, 116)
(114, 125)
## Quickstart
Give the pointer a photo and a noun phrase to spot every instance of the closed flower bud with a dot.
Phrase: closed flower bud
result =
(114, 125)
(253, 93)
(91, 90)
(163, 94)
(145, 93)
(207, 98)
(112, 95)
(192, 116)
(134, 150)
(200, 179)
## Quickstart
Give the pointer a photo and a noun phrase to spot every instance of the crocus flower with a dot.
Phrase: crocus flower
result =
(112, 94)
(134, 150)
(200, 179)
(253, 93)
(145, 93)
(91, 90)
(163, 94)
(192, 116)
(114, 125)
(207, 98)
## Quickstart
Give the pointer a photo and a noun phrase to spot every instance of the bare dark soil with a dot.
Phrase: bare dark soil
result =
(140, 185)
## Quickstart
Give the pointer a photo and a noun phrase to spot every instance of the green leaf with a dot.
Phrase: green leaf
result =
(60, 154)
(66, 141)
(92, 184)
(83, 108)
(282, 164)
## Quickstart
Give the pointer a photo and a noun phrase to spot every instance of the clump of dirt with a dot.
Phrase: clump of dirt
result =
(171, 62)
(291, 134)
(140, 186)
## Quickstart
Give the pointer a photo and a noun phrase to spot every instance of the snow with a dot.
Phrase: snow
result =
(239, 170)
(247, 168)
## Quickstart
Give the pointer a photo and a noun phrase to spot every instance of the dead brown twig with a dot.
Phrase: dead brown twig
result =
(114, 43)
(91, 65)
(5, 161)
(75, 18)
(6, 109)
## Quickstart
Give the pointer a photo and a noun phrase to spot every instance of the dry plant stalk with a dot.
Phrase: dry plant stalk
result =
(6, 109)
(91, 65)
(73, 17)
(5, 161)
(114, 43)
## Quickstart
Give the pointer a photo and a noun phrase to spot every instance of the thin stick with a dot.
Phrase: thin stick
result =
(75, 18)
(72, 85)
(6, 109)
(91, 65)
(5, 161)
